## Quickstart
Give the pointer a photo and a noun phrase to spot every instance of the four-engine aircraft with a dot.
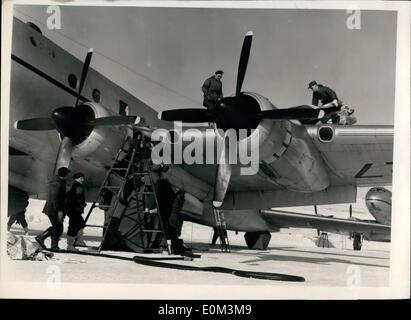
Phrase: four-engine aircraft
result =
(299, 163)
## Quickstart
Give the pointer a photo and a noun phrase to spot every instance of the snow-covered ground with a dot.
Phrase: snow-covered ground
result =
(291, 251)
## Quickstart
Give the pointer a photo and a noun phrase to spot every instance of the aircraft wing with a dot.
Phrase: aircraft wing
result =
(286, 219)
(359, 154)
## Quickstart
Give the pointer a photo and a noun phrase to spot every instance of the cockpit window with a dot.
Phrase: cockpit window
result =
(72, 80)
(34, 26)
(123, 110)
(34, 41)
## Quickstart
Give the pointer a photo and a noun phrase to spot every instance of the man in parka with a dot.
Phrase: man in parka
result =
(54, 209)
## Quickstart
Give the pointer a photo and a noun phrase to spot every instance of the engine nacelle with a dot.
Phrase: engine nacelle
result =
(287, 155)
(103, 142)
(279, 150)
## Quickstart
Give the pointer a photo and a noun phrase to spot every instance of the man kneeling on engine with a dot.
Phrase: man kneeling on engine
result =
(75, 204)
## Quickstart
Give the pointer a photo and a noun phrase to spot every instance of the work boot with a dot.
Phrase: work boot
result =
(178, 247)
(70, 244)
(42, 237)
(80, 240)
(54, 245)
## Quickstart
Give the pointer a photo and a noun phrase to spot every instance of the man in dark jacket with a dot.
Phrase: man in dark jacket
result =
(54, 209)
(171, 201)
(213, 90)
(18, 202)
(328, 99)
(76, 202)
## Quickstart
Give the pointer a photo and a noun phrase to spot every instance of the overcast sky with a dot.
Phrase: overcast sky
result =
(168, 52)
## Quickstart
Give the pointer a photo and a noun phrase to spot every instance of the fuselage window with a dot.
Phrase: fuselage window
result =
(35, 27)
(72, 80)
(96, 95)
(123, 108)
(34, 41)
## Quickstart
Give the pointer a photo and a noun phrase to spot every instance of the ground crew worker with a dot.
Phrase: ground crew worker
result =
(75, 202)
(171, 201)
(327, 97)
(175, 224)
(346, 116)
(18, 201)
(213, 90)
(54, 209)
(20, 219)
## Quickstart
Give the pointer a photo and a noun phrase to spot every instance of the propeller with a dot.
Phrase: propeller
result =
(192, 115)
(223, 172)
(73, 124)
(35, 124)
(242, 66)
(84, 72)
(295, 113)
(237, 112)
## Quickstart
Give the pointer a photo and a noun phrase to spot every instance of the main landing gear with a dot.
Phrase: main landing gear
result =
(257, 240)
(357, 241)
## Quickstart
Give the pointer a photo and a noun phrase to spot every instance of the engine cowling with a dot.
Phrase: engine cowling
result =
(287, 156)
(100, 144)
(378, 202)
(285, 153)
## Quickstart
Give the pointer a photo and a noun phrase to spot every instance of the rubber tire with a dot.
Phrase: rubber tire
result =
(257, 240)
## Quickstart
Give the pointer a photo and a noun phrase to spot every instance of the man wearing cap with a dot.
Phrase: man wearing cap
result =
(213, 90)
(328, 99)
(76, 202)
(54, 209)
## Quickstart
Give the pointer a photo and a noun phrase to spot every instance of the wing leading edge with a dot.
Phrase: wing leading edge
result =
(286, 219)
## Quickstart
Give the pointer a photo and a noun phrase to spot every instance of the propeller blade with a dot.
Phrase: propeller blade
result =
(86, 66)
(116, 121)
(223, 174)
(242, 66)
(35, 124)
(145, 131)
(297, 113)
(186, 115)
(64, 154)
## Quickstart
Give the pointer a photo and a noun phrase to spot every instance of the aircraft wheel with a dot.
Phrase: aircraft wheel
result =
(357, 242)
